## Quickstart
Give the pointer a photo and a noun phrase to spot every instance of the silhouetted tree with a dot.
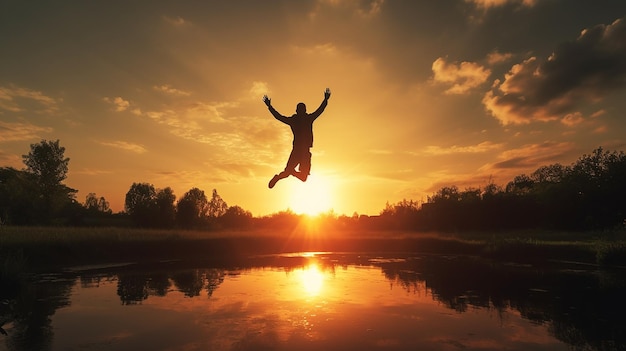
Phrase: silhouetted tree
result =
(18, 196)
(597, 180)
(586, 195)
(553, 173)
(103, 205)
(491, 190)
(140, 204)
(46, 160)
(166, 210)
(236, 217)
(96, 205)
(445, 207)
(401, 215)
(521, 185)
(91, 202)
(191, 209)
(47, 163)
(216, 206)
(285, 220)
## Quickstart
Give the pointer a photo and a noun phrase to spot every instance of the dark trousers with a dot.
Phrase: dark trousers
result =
(300, 157)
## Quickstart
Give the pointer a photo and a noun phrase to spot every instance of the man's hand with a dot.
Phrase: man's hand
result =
(268, 101)
(327, 94)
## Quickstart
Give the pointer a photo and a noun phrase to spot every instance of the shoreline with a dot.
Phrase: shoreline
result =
(36, 249)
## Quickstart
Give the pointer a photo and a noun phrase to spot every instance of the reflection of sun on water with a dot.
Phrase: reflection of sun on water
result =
(311, 197)
(312, 280)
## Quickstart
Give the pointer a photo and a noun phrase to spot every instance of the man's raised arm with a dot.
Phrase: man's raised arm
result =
(273, 111)
(323, 105)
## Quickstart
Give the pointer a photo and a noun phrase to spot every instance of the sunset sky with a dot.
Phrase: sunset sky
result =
(425, 94)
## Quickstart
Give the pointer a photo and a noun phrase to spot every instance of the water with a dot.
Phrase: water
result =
(320, 301)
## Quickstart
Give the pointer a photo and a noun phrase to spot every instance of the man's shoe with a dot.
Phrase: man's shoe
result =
(273, 181)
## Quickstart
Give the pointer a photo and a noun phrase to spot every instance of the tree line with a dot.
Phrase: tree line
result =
(586, 195)
(36, 195)
(589, 194)
(158, 208)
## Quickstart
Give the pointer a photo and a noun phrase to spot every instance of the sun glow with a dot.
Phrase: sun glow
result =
(312, 280)
(311, 197)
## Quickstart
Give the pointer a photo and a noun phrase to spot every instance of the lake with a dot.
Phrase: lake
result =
(319, 301)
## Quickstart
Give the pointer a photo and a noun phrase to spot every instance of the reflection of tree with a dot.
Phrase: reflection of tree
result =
(409, 281)
(192, 282)
(28, 307)
(93, 281)
(158, 283)
(132, 288)
(136, 287)
(214, 277)
(189, 282)
(579, 309)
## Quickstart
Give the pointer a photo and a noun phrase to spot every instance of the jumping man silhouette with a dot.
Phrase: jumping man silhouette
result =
(301, 124)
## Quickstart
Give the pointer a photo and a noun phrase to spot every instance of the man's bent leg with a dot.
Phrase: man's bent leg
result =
(301, 175)
(305, 166)
(290, 168)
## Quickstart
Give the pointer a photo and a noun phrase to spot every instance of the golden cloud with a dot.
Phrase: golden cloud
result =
(124, 145)
(463, 76)
(471, 149)
(118, 103)
(168, 89)
(17, 99)
(17, 131)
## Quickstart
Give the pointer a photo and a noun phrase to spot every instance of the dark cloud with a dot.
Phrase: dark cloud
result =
(584, 70)
(532, 156)
(516, 162)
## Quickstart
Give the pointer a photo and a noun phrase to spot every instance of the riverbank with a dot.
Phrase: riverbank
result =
(51, 248)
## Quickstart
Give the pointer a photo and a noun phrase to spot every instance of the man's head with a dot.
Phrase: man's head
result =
(301, 108)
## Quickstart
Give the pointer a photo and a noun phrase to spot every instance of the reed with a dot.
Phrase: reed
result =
(56, 247)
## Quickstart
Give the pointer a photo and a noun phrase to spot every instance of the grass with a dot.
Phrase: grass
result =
(39, 248)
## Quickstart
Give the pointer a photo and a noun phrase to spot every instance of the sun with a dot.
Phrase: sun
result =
(311, 197)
